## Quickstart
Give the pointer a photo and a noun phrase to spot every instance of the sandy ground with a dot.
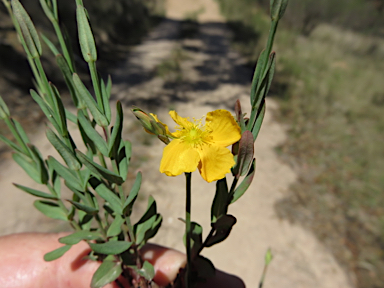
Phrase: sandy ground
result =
(213, 77)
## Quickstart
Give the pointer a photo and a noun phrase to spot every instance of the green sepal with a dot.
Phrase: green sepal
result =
(240, 116)
(277, 9)
(99, 170)
(78, 236)
(87, 42)
(36, 193)
(107, 272)
(28, 30)
(50, 209)
(245, 154)
(57, 253)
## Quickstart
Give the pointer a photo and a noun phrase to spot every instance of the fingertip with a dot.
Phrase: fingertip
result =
(167, 262)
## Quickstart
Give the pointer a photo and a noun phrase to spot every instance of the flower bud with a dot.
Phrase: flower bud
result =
(277, 9)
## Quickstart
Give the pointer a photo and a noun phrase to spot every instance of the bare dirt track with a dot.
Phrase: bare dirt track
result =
(209, 76)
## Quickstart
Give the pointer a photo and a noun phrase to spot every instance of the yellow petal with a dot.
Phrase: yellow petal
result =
(225, 130)
(216, 161)
(178, 157)
(180, 120)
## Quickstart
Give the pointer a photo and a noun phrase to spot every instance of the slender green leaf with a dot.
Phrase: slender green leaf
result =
(259, 121)
(87, 42)
(92, 134)
(115, 139)
(50, 45)
(67, 74)
(123, 158)
(50, 209)
(36, 192)
(108, 195)
(147, 271)
(39, 164)
(220, 202)
(4, 111)
(47, 10)
(108, 272)
(84, 94)
(105, 96)
(21, 131)
(99, 170)
(57, 253)
(70, 116)
(66, 153)
(111, 247)
(28, 166)
(222, 227)
(11, 144)
(132, 195)
(115, 227)
(78, 236)
(65, 173)
(61, 117)
(46, 109)
(108, 88)
(87, 209)
(240, 190)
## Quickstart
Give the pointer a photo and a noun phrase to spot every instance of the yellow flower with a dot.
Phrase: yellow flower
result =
(195, 145)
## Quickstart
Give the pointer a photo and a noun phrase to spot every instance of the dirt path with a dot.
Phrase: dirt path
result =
(208, 76)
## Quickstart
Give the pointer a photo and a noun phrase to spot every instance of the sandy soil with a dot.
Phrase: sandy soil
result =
(213, 77)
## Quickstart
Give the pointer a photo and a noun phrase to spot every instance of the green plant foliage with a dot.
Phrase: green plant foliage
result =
(108, 272)
(55, 254)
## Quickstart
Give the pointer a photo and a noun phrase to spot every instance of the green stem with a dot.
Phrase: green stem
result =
(63, 45)
(188, 177)
(96, 84)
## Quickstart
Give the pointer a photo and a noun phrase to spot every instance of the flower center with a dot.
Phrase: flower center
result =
(195, 134)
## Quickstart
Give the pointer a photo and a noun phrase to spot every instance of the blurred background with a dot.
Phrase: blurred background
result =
(328, 84)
